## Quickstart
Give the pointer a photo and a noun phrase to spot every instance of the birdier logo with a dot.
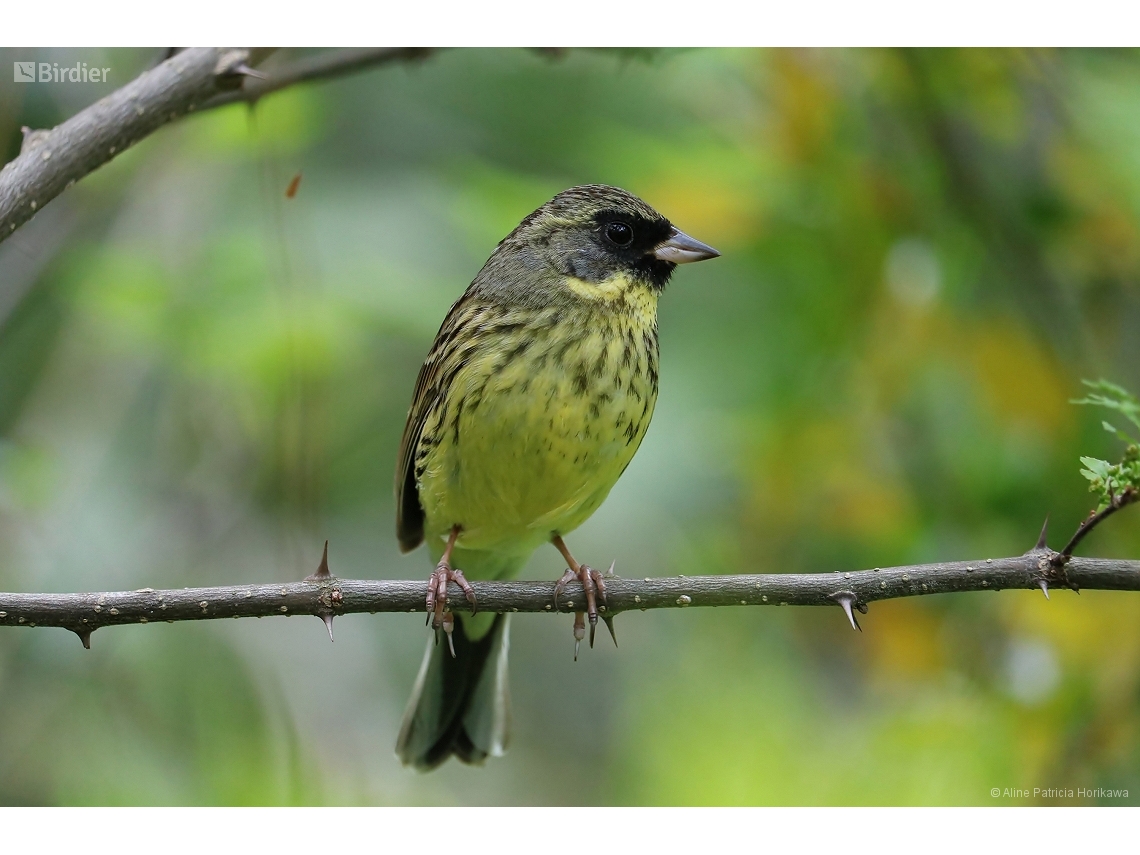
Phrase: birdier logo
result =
(51, 72)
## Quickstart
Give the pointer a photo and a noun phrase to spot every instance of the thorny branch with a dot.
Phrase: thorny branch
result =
(1125, 497)
(326, 596)
(195, 79)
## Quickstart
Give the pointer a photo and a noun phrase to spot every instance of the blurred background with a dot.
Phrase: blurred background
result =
(923, 253)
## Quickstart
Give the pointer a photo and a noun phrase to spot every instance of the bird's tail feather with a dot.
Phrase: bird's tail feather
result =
(460, 705)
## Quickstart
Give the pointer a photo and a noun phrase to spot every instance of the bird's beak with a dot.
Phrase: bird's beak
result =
(681, 249)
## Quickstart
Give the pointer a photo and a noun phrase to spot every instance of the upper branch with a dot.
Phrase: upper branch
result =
(53, 160)
(195, 79)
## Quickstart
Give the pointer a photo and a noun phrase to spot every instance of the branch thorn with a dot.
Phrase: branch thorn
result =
(1044, 586)
(245, 71)
(846, 600)
(610, 626)
(1041, 540)
(32, 137)
(84, 636)
(328, 619)
(323, 570)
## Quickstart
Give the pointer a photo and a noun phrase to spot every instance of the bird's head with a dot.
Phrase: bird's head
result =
(595, 235)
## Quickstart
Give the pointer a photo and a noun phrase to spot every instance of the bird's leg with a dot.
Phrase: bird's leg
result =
(593, 585)
(437, 589)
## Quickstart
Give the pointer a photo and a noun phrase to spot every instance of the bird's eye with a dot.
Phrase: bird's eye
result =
(620, 234)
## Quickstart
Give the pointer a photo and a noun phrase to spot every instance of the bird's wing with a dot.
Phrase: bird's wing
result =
(409, 511)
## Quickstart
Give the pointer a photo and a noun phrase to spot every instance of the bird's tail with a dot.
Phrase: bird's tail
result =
(460, 705)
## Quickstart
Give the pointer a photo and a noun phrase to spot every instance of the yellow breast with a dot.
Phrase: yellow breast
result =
(540, 421)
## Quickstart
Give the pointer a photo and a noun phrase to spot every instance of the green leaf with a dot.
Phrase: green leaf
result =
(1096, 468)
(1110, 396)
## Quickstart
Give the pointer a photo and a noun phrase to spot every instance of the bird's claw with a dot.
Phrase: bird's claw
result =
(594, 587)
(436, 601)
(448, 628)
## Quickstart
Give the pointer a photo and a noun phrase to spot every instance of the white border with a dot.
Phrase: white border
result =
(552, 831)
(599, 23)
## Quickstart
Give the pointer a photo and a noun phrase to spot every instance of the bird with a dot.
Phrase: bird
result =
(532, 401)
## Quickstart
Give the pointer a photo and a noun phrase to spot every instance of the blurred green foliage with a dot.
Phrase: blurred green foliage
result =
(1114, 483)
(923, 252)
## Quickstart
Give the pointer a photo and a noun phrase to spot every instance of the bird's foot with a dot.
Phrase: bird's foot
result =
(448, 622)
(437, 596)
(594, 587)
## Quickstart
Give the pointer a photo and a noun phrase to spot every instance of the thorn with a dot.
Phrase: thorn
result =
(1041, 539)
(610, 626)
(32, 138)
(1044, 586)
(610, 572)
(245, 71)
(593, 626)
(323, 570)
(577, 644)
(846, 599)
(328, 619)
(84, 636)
